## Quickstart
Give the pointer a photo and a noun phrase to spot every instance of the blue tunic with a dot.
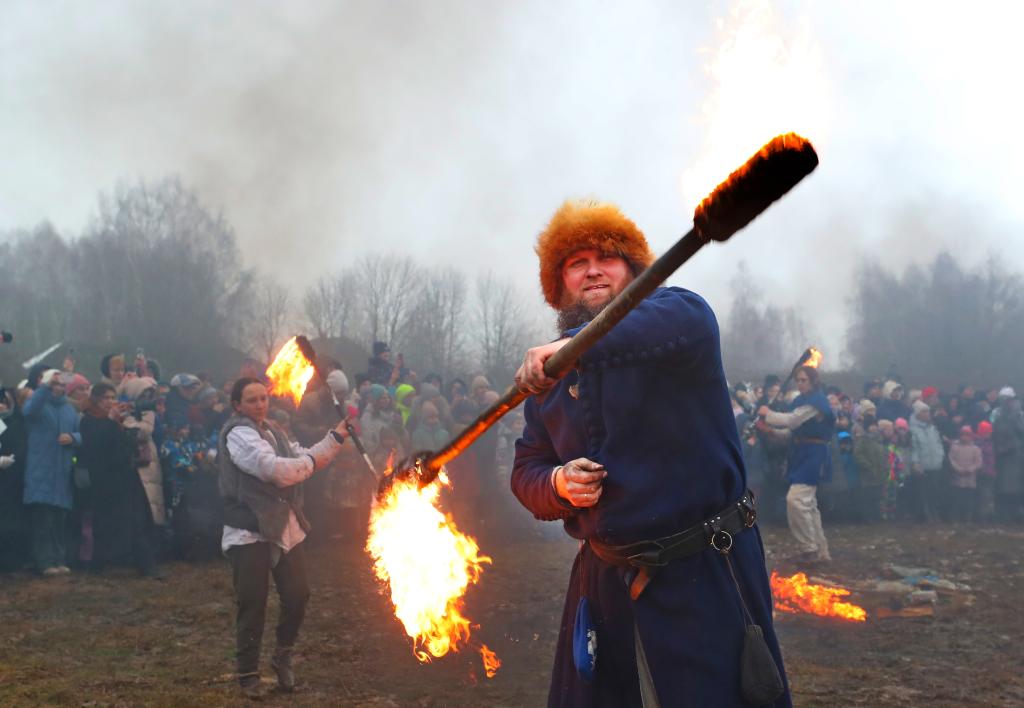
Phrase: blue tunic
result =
(810, 457)
(654, 409)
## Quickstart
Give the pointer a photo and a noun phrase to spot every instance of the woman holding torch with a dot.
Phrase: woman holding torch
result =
(261, 473)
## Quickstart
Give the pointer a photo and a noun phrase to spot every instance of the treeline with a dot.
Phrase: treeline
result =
(942, 324)
(157, 269)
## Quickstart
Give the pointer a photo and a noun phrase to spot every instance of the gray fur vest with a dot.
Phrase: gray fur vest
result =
(250, 503)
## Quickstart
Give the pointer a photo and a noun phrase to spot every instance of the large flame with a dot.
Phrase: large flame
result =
(290, 372)
(767, 79)
(428, 564)
(795, 594)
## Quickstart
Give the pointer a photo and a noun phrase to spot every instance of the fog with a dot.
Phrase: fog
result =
(450, 131)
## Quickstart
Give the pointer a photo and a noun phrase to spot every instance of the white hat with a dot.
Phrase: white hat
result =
(920, 405)
(337, 381)
(1007, 392)
(48, 375)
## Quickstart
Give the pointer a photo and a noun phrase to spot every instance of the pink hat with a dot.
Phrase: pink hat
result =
(76, 382)
(966, 430)
(902, 424)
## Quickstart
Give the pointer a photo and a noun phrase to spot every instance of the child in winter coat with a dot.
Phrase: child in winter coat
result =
(985, 508)
(966, 460)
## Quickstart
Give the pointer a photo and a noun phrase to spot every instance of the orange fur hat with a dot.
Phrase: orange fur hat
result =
(581, 224)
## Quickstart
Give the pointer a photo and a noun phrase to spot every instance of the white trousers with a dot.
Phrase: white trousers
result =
(805, 520)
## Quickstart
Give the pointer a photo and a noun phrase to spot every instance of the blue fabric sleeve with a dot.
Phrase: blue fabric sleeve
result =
(671, 325)
(531, 474)
(35, 402)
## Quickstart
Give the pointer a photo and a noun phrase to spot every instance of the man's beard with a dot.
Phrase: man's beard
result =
(577, 314)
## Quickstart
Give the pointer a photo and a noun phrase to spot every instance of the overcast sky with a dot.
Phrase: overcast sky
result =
(452, 130)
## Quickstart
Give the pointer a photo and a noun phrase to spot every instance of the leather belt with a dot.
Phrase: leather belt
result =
(648, 556)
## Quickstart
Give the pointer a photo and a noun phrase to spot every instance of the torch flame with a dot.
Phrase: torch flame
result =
(428, 564)
(795, 594)
(814, 360)
(290, 372)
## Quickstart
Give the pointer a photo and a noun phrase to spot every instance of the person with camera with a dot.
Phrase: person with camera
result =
(260, 477)
(52, 436)
(122, 520)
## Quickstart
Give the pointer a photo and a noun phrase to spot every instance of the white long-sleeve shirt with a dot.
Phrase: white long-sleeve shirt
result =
(254, 455)
(792, 420)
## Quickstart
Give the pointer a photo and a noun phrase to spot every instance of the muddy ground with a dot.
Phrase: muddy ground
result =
(83, 640)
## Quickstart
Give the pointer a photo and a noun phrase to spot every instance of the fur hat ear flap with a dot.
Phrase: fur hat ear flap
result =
(583, 224)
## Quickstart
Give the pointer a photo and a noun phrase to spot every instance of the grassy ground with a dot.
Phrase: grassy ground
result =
(121, 640)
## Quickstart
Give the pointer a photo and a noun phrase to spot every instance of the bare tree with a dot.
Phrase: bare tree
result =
(333, 305)
(505, 327)
(434, 335)
(388, 283)
(759, 336)
(269, 315)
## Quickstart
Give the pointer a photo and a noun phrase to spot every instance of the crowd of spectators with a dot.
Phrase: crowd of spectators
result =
(121, 469)
(919, 455)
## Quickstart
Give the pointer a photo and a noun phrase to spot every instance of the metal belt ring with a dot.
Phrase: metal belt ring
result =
(721, 541)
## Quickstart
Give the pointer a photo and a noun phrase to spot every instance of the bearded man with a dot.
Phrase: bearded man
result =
(636, 452)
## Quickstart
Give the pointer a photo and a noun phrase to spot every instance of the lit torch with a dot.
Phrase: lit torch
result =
(416, 549)
(290, 372)
(764, 178)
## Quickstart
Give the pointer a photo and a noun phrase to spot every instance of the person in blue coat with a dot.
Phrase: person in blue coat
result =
(637, 444)
(52, 425)
(810, 461)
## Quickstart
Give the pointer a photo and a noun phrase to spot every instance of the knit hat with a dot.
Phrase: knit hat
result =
(929, 391)
(866, 407)
(337, 382)
(889, 387)
(184, 380)
(380, 347)
(902, 424)
(205, 393)
(885, 425)
(76, 382)
(921, 406)
(1007, 392)
(376, 391)
(580, 224)
(984, 430)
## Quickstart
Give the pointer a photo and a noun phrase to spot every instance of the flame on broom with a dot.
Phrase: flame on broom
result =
(814, 361)
(428, 564)
(795, 594)
(290, 372)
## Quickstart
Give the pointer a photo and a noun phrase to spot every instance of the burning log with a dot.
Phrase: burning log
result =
(748, 191)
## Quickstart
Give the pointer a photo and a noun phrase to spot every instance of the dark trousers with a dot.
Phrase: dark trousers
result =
(963, 504)
(47, 536)
(252, 571)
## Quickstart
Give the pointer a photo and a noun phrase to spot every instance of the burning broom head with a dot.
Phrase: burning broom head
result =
(304, 345)
(764, 178)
